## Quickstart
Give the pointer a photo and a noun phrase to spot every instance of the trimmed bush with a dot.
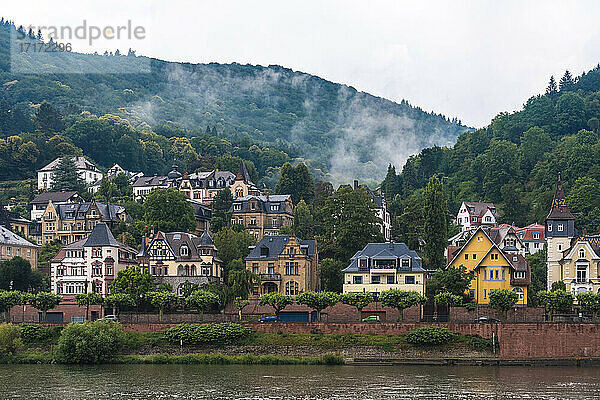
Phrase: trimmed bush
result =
(10, 339)
(90, 342)
(430, 336)
(32, 333)
(224, 333)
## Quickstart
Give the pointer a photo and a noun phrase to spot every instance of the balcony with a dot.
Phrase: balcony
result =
(270, 277)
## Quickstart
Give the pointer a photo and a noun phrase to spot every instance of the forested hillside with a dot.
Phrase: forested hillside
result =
(514, 162)
(341, 131)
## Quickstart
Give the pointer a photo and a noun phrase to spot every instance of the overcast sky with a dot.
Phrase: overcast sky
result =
(469, 59)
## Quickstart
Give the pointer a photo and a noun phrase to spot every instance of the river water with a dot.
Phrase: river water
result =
(184, 382)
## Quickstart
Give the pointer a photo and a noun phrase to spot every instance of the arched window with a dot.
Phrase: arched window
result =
(184, 251)
(239, 192)
(519, 293)
(581, 253)
(193, 270)
(187, 270)
(180, 270)
(291, 288)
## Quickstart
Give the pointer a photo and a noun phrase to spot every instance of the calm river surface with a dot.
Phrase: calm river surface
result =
(295, 382)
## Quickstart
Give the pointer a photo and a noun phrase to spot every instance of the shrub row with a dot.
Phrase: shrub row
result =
(224, 333)
(430, 336)
(248, 359)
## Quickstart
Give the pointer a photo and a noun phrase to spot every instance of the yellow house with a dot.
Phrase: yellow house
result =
(493, 267)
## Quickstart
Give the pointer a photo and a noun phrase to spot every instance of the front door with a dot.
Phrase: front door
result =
(269, 287)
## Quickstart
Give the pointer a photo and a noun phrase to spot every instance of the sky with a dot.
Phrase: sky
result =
(464, 59)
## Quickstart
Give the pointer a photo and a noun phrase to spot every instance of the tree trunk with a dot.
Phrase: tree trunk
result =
(400, 314)
(87, 312)
(43, 315)
(160, 314)
(114, 310)
(359, 314)
(240, 314)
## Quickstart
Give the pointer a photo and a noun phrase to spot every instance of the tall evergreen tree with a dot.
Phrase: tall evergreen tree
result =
(435, 229)
(567, 83)
(390, 185)
(297, 182)
(552, 89)
(303, 221)
(47, 119)
(65, 176)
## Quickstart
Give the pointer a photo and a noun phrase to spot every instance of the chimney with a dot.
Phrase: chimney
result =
(584, 232)
(355, 184)
(123, 238)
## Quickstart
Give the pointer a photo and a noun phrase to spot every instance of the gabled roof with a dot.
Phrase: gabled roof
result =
(55, 197)
(151, 181)
(478, 209)
(243, 175)
(176, 240)
(275, 245)
(205, 240)
(201, 211)
(80, 163)
(77, 211)
(101, 236)
(8, 237)
(558, 209)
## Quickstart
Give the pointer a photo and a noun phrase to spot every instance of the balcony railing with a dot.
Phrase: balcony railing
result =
(270, 277)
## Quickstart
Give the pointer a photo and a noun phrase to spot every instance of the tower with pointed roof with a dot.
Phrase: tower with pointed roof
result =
(560, 231)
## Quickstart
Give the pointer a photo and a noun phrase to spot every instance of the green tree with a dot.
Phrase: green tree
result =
(455, 280)
(202, 300)
(65, 176)
(555, 301)
(90, 343)
(163, 301)
(400, 300)
(558, 285)
(16, 274)
(435, 229)
(168, 210)
(45, 301)
(332, 278)
(233, 245)
(303, 221)
(567, 82)
(47, 119)
(359, 300)
(118, 301)
(123, 185)
(448, 298)
(297, 182)
(539, 274)
(552, 88)
(241, 304)
(132, 281)
(276, 300)
(9, 299)
(503, 300)
(220, 209)
(241, 282)
(589, 302)
(318, 300)
(87, 300)
(48, 252)
(350, 222)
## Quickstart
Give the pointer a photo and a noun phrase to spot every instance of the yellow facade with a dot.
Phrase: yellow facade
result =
(490, 266)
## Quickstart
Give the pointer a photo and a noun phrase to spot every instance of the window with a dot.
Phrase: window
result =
(255, 268)
(271, 268)
(237, 206)
(474, 256)
(109, 269)
(291, 288)
(409, 280)
(536, 235)
(520, 293)
(582, 274)
(274, 207)
(184, 251)
(519, 275)
(488, 219)
(480, 238)
(357, 280)
(96, 270)
(484, 293)
(405, 263)
(391, 279)
(376, 279)
(496, 273)
(472, 293)
(581, 253)
(559, 247)
(466, 257)
(274, 222)
(253, 221)
(494, 256)
(549, 227)
(560, 227)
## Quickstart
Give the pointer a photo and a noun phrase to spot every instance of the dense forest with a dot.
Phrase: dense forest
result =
(340, 132)
(514, 161)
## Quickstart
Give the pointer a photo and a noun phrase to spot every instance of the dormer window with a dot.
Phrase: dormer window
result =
(405, 263)
(560, 227)
(549, 227)
(274, 207)
(184, 251)
(237, 207)
(581, 253)
(536, 235)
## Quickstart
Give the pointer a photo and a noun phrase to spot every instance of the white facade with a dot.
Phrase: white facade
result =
(474, 214)
(87, 171)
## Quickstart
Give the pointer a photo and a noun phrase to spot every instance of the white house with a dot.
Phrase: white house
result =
(90, 264)
(87, 171)
(473, 214)
(145, 184)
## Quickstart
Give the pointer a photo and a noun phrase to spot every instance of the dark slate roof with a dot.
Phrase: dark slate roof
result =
(219, 179)
(264, 203)
(559, 209)
(275, 244)
(386, 250)
(55, 197)
(101, 236)
(176, 240)
(77, 211)
(243, 175)
(80, 163)
(201, 211)
(205, 240)
(478, 209)
(7, 237)
(151, 181)
(518, 262)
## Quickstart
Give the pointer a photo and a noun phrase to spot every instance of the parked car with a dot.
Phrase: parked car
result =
(269, 318)
(110, 318)
(371, 318)
(487, 320)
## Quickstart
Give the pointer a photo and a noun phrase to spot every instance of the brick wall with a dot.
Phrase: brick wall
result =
(68, 307)
(520, 315)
